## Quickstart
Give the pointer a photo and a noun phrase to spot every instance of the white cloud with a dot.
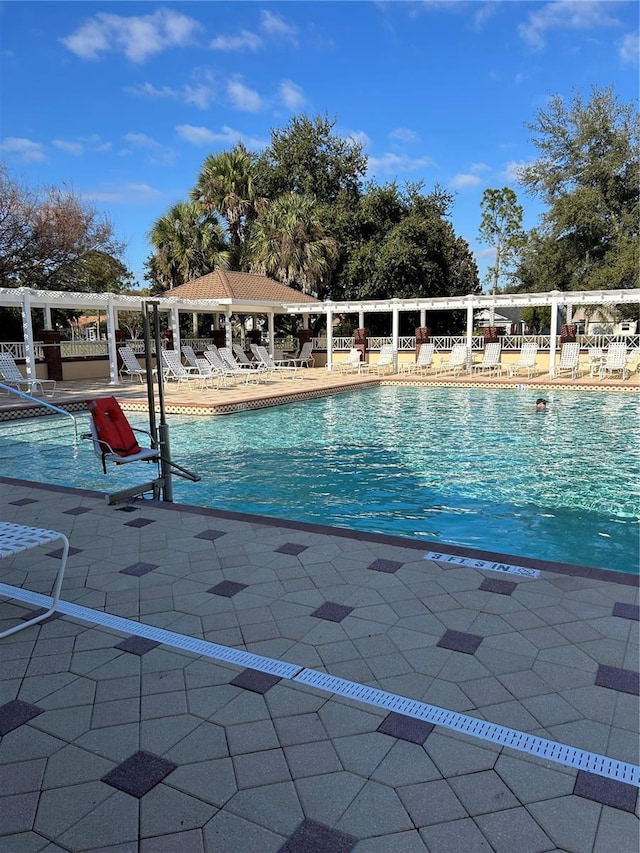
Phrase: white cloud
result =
(463, 181)
(393, 164)
(275, 25)
(137, 38)
(511, 171)
(126, 194)
(242, 97)
(23, 149)
(141, 140)
(158, 154)
(201, 93)
(245, 40)
(565, 15)
(202, 136)
(629, 48)
(291, 95)
(404, 134)
(357, 136)
(75, 148)
(480, 167)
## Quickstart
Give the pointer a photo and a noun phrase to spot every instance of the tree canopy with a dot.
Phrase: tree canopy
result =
(53, 240)
(588, 175)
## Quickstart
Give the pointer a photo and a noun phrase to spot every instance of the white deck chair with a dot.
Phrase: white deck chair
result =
(263, 357)
(615, 361)
(569, 359)
(457, 361)
(15, 538)
(174, 369)
(200, 364)
(251, 372)
(241, 356)
(221, 369)
(423, 363)
(10, 375)
(385, 362)
(490, 359)
(528, 360)
(351, 362)
(304, 358)
(131, 365)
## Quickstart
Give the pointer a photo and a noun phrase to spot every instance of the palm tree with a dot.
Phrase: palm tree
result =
(187, 244)
(289, 243)
(225, 186)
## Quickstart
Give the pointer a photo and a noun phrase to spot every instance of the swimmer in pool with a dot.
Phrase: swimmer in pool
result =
(541, 403)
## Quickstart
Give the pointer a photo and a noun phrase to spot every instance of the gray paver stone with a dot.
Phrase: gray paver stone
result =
(114, 821)
(165, 810)
(228, 832)
(18, 812)
(483, 792)
(275, 807)
(179, 842)
(212, 781)
(570, 822)
(376, 810)
(513, 829)
(454, 837)
(398, 842)
(431, 802)
(261, 768)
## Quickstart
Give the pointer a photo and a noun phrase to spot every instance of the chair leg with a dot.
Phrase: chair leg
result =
(55, 594)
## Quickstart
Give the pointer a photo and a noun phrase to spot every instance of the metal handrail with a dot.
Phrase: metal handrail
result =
(43, 403)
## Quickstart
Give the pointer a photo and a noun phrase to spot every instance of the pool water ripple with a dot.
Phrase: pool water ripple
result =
(461, 466)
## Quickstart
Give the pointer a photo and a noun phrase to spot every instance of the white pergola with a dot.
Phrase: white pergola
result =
(27, 299)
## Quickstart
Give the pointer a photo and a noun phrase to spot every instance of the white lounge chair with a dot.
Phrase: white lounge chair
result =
(528, 360)
(131, 365)
(457, 361)
(351, 362)
(615, 361)
(10, 375)
(423, 363)
(221, 369)
(200, 364)
(241, 356)
(250, 372)
(569, 360)
(384, 364)
(304, 358)
(490, 359)
(174, 369)
(16, 538)
(263, 357)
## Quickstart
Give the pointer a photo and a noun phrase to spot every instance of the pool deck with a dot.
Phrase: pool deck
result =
(223, 683)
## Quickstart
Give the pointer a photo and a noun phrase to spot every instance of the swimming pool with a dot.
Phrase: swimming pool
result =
(472, 467)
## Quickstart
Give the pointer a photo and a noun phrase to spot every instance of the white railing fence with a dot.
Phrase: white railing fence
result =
(406, 343)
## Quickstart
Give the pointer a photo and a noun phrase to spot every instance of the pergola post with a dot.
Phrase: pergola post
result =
(47, 317)
(194, 324)
(271, 321)
(114, 376)
(174, 325)
(329, 338)
(361, 319)
(27, 330)
(228, 332)
(553, 334)
(470, 322)
(395, 330)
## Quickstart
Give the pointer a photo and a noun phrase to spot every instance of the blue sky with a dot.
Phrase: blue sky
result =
(122, 101)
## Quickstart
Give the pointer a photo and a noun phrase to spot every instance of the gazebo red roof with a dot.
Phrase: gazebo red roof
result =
(239, 286)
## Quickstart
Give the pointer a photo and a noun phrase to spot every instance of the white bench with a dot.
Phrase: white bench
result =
(15, 538)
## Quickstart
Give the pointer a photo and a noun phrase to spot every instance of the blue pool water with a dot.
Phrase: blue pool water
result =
(471, 467)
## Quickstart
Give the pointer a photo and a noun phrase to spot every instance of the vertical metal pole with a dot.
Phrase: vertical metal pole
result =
(163, 430)
(151, 402)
